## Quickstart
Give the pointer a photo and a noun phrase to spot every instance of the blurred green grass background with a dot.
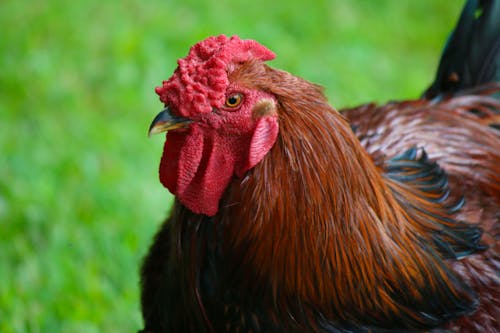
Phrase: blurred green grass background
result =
(79, 195)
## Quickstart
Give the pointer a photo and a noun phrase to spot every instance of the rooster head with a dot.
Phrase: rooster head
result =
(217, 127)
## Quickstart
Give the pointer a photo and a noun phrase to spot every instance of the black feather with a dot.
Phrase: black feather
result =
(471, 56)
(414, 168)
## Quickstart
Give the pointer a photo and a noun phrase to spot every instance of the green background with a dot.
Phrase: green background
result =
(79, 192)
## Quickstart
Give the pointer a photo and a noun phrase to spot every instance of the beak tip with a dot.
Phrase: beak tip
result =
(152, 132)
(165, 121)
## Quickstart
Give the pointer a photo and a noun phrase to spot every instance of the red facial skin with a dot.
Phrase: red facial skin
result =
(199, 162)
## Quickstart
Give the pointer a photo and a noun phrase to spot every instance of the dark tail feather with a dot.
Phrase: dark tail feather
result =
(471, 56)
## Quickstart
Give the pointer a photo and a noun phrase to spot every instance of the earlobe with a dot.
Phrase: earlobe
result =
(263, 139)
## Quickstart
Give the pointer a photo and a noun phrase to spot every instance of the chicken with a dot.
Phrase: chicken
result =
(293, 217)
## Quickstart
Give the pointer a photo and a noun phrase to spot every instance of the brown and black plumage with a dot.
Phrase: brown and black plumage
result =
(293, 217)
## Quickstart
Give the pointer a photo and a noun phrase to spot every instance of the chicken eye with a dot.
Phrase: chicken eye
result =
(234, 100)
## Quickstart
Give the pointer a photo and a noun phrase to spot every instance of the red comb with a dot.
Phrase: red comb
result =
(199, 83)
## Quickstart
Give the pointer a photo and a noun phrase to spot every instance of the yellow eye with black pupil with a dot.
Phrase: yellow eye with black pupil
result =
(234, 100)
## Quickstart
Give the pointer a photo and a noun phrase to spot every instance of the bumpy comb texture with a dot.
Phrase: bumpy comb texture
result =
(199, 83)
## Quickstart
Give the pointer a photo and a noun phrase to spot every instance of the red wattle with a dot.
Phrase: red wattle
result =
(197, 167)
(198, 164)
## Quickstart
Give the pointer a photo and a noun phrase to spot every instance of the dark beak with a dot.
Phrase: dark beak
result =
(166, 121)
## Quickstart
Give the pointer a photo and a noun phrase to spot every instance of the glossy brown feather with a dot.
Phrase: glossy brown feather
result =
(456, 133)
(347, 232)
